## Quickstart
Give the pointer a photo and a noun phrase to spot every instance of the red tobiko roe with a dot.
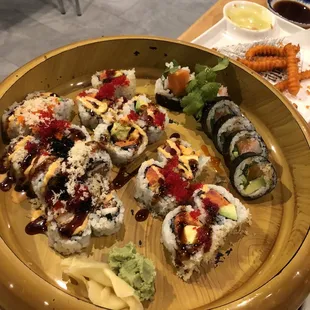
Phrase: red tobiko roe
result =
(83, 94)
(195, 214)
(31, 147)
(107, 90)
(133, 116)
(49, 128)
(204, 237)
(181, 189)
(159, 118)
(210, 207)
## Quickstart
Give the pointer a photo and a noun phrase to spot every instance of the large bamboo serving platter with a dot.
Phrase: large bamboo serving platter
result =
(269, 268)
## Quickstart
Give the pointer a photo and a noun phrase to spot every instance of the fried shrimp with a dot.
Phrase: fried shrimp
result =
(292, 69)
(265, 65)
(283, 85)
(264, 50)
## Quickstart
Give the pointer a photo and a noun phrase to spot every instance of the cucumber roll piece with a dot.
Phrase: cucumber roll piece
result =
(253, 176)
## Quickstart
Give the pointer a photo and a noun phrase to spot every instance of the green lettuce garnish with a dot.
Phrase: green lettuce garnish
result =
(172, 70)
(202, 88)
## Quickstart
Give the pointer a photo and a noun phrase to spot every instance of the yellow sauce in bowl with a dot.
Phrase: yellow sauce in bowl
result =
(249, 16)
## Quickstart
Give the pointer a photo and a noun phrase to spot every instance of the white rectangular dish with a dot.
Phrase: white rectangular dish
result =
(285, 32)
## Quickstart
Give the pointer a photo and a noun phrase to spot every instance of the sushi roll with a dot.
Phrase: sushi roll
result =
(108, 216)
(150, 189)
(123, 140)
(150, 117)
(86, 159)
(191, 162)
(253, 176)
(216, 109)
(22, 117)
(243, 142)
(42, 94)
(225, 215)
(184, 236)
(93, 111)
(123, 82)
(171, 86)
(227, 125)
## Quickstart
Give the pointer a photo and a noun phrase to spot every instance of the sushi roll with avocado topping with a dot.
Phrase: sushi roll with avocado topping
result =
(146, 114)
(191, 162)
(93, 111)
(171, 86)
(22, 117)
(123, 140)
(216, 109)
(226, 126)
(225, 215)
(185, 236)
(115, 83)
(243, 142)
(253, 176)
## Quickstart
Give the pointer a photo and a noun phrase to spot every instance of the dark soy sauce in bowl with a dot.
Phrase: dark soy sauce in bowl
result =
(295, 11)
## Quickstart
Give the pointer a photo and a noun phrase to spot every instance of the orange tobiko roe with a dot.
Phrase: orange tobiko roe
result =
(177, 81)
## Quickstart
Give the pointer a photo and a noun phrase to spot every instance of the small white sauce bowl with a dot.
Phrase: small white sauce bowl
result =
(244, 33)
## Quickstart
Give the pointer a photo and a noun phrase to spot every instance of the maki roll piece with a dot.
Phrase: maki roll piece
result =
(42, 94)
(225, 215)
(243, 142)
(216, 109)
(191, 162)
(93, 111)
(20, 118)
(107, 215)
(149, 116)
(123, 140)
(185, 236)
(115, 83)
(86, 159)
(160, 186)
(68, 224)
(171, 86)
(150, 189)
(227, 125)
(252, 176)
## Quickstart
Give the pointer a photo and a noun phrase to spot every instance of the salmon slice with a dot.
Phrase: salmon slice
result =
(126, 143)
(152, 176)
(248, 145)
(254, 172)
(177, 81)
(216, 198)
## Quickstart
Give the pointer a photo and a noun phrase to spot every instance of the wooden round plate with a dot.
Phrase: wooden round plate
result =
(268, 268)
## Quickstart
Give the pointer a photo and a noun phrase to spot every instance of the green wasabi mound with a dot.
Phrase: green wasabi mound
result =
(138, 271)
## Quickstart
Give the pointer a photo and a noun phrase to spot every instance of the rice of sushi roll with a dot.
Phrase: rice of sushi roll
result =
(216, 109)
(67, 246)
(191, 162)
(123, 140)
(93, 111)
(253, 176)
(225, 215)
(150, 189)
(227, 125)
(150, 117)
(243, 142)
(124, 81)
(42, 94)
(21, 118)
(108, 216)
(171, 86)
(183, 235)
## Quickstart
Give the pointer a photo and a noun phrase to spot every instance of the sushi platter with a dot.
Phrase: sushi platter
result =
(145, 182)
